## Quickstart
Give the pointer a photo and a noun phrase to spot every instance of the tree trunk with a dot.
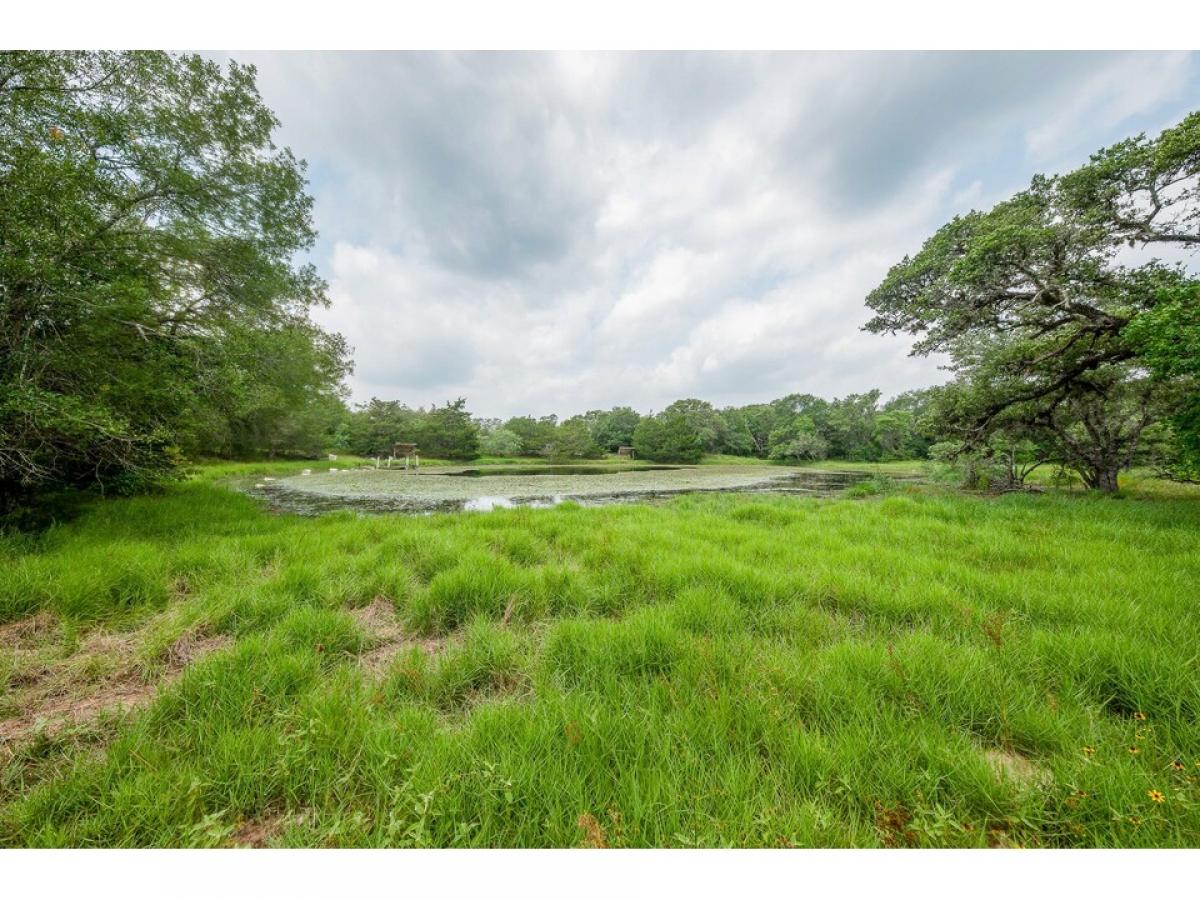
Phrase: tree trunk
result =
(1102, 477)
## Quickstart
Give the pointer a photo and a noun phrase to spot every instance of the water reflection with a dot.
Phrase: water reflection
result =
(486, 504)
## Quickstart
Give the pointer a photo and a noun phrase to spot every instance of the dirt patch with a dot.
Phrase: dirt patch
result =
(1016, 767)
(379, 620)
(103, 675)
(57, 713)
(593, 832)
(892, 823)
(191, 647)
(24, 634)
(259, 832)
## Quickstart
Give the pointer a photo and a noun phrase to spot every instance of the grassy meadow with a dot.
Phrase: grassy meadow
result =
(908, 666)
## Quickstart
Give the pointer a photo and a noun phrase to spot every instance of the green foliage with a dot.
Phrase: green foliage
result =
(573, 440)
(798, 439)
(702, 420)
(668, 437)
(748, 429)
(871, 487)
(849, 425)
(1144, 190)
(147, 283)
(51, 439)
(1043, 323)
(905, 427)
(500, 442)
(446, 432)
(857, 427)
(1167, 339)
(537, 435)
(795, 427)
(613, 428)
(739, 432)
(379, 424)
(802, 445)
(449, 432)
(283, 396)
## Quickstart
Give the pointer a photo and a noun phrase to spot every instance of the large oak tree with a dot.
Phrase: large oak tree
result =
(149, 229)
(1039, 309)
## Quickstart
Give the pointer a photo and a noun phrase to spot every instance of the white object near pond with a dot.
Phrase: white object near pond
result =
(260, 485)
(268, 478)
(333, 471)
(306, 472)
(333, 457)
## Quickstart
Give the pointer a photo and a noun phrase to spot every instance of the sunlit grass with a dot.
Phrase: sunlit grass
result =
(916, 667)
(215, 470)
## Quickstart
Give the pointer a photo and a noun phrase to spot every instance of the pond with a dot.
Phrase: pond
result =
(501, 471)
(370, 490)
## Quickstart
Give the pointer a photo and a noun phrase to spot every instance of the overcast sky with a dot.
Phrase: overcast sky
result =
(560, 232)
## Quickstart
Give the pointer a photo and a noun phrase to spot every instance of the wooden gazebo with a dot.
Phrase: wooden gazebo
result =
(409, 452)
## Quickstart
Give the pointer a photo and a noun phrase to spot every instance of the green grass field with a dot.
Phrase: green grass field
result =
(916, 667)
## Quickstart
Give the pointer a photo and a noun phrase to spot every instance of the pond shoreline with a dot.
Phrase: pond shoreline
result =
(372, 491)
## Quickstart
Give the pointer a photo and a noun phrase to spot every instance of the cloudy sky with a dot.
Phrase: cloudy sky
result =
(560, 232)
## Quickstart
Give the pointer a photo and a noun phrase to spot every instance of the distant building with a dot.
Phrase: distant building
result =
(626, 453)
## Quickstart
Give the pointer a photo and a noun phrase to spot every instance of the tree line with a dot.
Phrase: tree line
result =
(795, 427)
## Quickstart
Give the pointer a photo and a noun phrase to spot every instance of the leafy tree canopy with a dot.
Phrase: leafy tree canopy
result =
(148, 227)
(612, 428)
(669, 437)
(573, 440)
(703, 420)
(1039, 311)
(500, 442)
(449, 432)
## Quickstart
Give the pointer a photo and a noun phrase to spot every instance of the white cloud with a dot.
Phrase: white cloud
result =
(552, 233)
(1110, 96)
